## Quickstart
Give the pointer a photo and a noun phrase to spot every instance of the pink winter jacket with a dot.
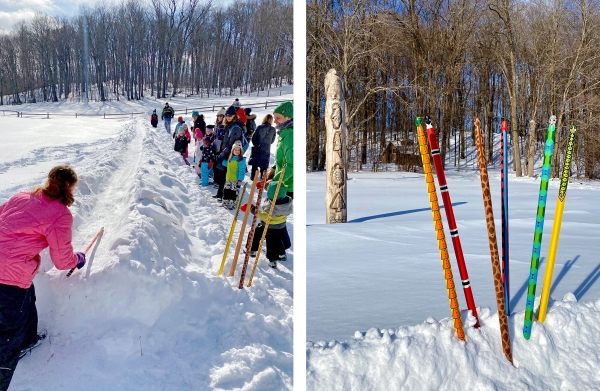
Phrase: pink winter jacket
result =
(28, 224)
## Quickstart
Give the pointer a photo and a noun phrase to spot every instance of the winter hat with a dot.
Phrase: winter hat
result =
(221, 112)
(180, 119)
(230, 111)
(286, 109)
(241, 115)
(237, 144)
(248, 115)
(154, 111)
(194, 113)
(209, 128)
(236, 103)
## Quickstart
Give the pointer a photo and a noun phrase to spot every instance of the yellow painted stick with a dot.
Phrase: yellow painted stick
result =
(560, 206)
(233, 223)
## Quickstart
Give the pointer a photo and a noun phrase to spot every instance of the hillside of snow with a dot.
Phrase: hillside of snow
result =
(378, 315)
(148, 311)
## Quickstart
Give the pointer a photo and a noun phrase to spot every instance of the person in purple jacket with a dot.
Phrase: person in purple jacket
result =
(30, 222)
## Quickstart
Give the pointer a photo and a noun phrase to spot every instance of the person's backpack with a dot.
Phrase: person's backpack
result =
(245, 142)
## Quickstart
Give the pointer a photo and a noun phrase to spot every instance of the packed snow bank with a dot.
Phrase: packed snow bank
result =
(148, 310)
(562, 354)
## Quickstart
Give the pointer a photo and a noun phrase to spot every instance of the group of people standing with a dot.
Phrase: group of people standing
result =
(219, 153)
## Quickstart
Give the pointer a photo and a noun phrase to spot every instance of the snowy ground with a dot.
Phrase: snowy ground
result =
(376, 283)
(148, 311)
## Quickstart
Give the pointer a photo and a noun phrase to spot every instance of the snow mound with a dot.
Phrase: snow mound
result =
(562, 354)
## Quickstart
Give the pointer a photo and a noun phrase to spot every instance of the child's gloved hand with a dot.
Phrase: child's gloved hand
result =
(239, 184)
(210, 165)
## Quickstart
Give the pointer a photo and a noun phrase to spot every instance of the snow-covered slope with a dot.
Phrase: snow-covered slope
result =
(148, 311)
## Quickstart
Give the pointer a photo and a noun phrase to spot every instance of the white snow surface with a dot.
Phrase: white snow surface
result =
(376, 291)
(148, 311)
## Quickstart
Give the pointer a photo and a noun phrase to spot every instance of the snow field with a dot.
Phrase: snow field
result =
(148, 310)
(385, 280)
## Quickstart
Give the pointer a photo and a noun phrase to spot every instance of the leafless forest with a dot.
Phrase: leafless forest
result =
(166, 47)
(454, 60)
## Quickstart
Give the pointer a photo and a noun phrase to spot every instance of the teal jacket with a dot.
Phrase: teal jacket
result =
(236, 170)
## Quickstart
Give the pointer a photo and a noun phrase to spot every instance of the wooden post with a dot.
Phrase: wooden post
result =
(335, 125)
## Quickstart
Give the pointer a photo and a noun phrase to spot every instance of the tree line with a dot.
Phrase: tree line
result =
(521, 61)
(166, 47)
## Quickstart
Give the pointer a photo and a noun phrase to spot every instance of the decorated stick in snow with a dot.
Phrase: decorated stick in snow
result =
(460, 259)
(539, 228)
(233, 224)
(87, 249)
(504, 192)
(439, 228)
(251, 233)
(560, 206)
(264, 235)
(243, 228)
(493, 241)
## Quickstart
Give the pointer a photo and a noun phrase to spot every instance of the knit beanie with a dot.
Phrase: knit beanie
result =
(237, 144)
(221, 112)
(206, 141)
(230, 111)
(286, 109)
(194, 113)
(180, 119)
(236, 103)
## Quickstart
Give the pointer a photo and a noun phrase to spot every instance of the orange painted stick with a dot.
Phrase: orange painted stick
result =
(87, 249)
(439, 228)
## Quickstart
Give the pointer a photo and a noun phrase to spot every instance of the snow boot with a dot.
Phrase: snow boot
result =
(273, 264)
(40, 337)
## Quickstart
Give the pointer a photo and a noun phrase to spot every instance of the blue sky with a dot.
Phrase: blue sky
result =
(13, 11)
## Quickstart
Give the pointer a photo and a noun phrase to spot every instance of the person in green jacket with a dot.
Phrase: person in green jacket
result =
(283, 116)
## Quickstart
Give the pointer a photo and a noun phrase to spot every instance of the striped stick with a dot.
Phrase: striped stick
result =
(264, 235)
(243, 227)
(539, 228)
(251, 233)
(87, 249)
(560, 206)
(504, 193)
(231, 231)
(439, 228)
(460, 259)
(491, 228)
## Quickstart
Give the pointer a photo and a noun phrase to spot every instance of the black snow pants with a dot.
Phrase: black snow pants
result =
(18, 327)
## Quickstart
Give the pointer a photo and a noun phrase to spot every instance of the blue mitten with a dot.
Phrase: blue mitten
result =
(80, 260)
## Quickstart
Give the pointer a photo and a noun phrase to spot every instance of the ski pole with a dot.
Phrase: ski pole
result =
(439, 228)
(560, 206)
(504, 208)
(264, 235)
(251, 235)
(539, 228)
(87, 249)
(493, 241)
(243, 228)
(233, 223)
(456, 244)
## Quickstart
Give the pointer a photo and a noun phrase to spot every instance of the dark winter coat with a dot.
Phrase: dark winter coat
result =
(208, 153)
(262, 139)
(168, 112)
(199, 123)
(181, 144)
(154, 120)
(233, 132)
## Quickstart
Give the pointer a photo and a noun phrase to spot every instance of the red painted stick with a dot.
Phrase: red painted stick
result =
(460, 259)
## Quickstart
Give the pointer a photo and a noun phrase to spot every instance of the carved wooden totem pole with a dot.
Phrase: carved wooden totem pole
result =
(335, 124)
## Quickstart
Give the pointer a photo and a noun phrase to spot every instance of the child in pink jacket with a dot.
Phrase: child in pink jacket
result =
(30, 222)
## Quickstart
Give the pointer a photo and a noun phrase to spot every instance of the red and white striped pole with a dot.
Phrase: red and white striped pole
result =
(460, 259)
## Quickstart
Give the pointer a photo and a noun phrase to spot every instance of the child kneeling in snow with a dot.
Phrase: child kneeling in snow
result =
(277, 239)
(236, 170)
